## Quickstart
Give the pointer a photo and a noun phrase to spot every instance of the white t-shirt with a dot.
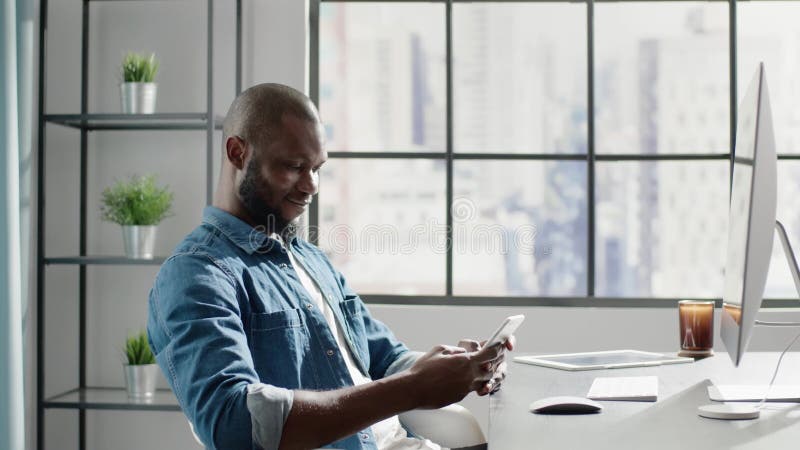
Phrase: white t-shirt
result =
(389, 434)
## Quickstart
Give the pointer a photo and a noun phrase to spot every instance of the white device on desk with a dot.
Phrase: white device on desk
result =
(751, 228)
(629, 389)
(613, 359)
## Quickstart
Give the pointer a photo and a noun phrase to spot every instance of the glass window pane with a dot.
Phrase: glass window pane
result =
(519, 77)
(767, 31)
(382, 223)
(382, 76)
(662, 77)
(661, 228)
(519, 228)
(779, 281)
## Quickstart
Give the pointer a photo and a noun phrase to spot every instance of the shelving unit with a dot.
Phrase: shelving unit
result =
(106, 260)
(163, 121)
(83, 397)
(111, 398)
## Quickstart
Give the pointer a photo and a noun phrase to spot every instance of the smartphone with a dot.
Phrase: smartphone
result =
(505, 330)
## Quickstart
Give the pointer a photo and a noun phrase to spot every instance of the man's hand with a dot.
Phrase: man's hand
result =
(438, 378)
(499, 370)
(446, 374)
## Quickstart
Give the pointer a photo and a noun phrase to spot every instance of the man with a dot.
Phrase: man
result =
(261, 339)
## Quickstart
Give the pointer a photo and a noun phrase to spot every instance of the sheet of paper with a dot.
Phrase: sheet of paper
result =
(637, 389)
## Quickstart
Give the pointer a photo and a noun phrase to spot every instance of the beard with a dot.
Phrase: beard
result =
(252, 192)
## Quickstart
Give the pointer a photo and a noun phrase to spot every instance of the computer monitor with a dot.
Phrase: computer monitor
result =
(751, 227)
(751, 222)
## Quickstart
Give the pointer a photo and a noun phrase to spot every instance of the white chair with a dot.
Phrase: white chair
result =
(453, 426)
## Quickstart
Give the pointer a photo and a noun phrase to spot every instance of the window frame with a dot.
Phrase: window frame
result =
(590, 157)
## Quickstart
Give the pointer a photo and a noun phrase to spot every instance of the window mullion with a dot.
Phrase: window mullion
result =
(590, 148)
(732, 64)
(449, 146)
(313, 90)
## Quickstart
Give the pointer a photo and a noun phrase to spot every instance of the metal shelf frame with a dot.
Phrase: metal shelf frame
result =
(84, 397)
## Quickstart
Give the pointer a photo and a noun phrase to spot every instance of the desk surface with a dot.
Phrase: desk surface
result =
(670, 423)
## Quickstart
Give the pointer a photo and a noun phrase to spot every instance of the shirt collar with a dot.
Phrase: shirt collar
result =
(239, 232)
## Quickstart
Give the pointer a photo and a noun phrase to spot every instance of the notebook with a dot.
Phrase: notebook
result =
(637, 389)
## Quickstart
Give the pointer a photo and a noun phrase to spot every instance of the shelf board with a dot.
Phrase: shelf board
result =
(105, 260)
(112, 398)
(161, 121)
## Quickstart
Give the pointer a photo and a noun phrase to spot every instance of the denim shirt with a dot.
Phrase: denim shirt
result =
(228, 311)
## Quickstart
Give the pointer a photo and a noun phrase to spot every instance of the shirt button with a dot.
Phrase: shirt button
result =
(283, 265)
(308, 306)
(364, 436)
(329, 352)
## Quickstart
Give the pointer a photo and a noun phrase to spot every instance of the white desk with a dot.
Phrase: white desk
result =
(670, 423)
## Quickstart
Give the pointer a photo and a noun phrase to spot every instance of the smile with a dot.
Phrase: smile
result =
(299, 202)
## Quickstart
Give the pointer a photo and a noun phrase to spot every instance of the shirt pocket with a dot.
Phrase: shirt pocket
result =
(351, 309)
(288, 318)
(279, 344)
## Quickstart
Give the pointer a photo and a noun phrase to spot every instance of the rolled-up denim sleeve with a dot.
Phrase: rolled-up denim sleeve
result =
(197, 335)
(403, 362)
(269, 407)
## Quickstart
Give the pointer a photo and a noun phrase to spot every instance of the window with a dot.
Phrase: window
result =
(520, 153)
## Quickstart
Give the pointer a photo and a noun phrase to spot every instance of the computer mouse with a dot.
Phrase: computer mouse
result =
(565, 405)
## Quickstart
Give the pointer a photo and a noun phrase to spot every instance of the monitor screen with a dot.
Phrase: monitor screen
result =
(751, 219)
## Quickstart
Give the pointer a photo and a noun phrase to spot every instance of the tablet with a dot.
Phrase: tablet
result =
(613, 359)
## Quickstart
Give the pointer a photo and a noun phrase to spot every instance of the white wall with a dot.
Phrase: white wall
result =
(275, 50)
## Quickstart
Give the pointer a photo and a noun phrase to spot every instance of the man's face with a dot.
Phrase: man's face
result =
(280, 180)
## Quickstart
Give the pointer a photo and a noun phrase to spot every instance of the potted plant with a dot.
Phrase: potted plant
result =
(141, 369)
(137, 90)
(138, 205)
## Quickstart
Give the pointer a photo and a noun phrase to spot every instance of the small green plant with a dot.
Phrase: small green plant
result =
(136, 202)
(137, 350)
(138, 68)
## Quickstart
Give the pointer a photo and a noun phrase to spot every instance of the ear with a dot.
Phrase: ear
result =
(236, 151)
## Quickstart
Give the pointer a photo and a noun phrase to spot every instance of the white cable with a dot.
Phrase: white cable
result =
(775, 374)
(777, 324)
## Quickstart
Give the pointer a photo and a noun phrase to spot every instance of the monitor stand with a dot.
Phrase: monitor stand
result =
(755, 393)
(725, 411)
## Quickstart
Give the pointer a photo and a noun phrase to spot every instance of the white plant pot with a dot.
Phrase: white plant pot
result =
(138, 98)
(140, 381)
(139, 240)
